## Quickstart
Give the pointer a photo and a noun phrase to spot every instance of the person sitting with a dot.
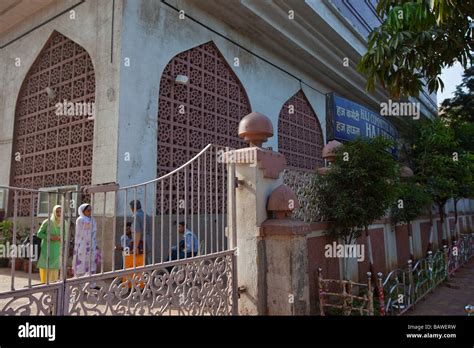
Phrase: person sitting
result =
(125, 242)
(188, 245)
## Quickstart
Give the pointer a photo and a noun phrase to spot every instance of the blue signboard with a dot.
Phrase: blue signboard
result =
(348, 120)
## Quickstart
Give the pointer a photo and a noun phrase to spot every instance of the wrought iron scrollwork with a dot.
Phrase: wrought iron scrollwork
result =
(191, 287)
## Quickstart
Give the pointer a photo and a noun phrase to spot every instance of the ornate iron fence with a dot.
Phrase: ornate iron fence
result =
(201, 280)
(201, 286)
(395, 297)
(459, 253)
(438, 267)
(401, 289)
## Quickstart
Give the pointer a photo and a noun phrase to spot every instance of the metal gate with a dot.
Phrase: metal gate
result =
(200, 193)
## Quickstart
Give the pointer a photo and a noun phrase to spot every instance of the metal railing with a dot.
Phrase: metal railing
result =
(346, 296)
(396, 295)
(194, 193)
(180, 277)
(469, 309)
(402, 289)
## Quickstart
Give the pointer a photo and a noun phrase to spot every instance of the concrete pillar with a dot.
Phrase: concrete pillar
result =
(287, 280)
(272, 266)
(257, 177)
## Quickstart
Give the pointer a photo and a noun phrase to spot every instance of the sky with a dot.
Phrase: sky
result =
(451, 77)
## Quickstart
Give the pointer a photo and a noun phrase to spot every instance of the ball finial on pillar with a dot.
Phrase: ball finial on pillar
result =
(282, 202)
(255, 129)
(329, 150)
(329, 154)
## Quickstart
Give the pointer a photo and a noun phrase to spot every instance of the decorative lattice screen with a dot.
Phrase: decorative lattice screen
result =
(298, 181)
(54, 150)
(206, 110)
(300, 137)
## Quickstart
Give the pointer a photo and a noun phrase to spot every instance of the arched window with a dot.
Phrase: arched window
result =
(300, 137)
(205, 110)
(51, 149)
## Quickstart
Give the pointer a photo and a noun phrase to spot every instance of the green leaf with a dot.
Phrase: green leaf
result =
(429, 37)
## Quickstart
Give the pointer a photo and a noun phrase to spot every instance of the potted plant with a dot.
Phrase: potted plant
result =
(23, 242)
(3, 262)
(25, 265)
(6, 228)
(7, 236)
(18, 263)
(27, 250)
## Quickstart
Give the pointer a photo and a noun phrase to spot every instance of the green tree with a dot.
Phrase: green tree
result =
(410, 134)
(435, 163)
(462, 173)
(458, 114)
(415, 41)
(358, 189)
(436, 150)
(412, 198)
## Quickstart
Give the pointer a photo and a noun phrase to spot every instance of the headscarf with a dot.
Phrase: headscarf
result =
(87, 219)
(81, 209)
(54, 219)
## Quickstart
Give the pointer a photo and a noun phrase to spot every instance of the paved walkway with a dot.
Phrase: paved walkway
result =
(21, 279)
(449, 298)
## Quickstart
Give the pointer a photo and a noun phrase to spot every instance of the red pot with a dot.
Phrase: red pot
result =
(4, 262)
(18, 264)
(26, 266)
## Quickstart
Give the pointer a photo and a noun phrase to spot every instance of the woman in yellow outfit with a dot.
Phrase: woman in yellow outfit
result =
(53, 266)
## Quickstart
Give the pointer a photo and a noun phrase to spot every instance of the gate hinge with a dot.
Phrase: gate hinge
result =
(239, 182)
(240, 290)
